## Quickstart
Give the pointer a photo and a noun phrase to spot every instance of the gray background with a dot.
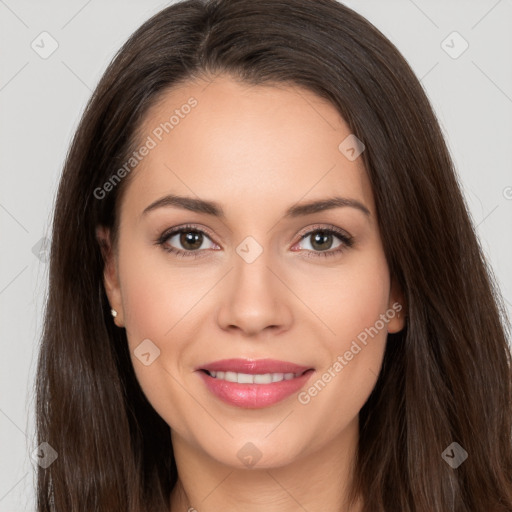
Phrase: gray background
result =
(41, 101)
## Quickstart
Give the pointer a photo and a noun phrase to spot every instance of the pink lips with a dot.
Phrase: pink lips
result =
(254, 396)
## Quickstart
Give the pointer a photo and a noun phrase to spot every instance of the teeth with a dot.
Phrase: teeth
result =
(246, 378)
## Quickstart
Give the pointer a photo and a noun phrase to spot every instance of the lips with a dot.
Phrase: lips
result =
(253, 383)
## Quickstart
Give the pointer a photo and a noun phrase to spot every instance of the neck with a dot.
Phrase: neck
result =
(316, 480)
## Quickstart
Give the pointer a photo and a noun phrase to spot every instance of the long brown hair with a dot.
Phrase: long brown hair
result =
(445, 378)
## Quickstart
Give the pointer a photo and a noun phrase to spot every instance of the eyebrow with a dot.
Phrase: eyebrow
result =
(214, 209)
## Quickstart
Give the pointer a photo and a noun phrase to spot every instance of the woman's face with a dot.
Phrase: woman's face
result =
(260, 279)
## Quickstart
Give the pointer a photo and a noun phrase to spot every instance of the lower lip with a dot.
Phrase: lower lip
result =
(254, 396)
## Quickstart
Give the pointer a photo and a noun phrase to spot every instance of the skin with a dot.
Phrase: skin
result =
(256, 150)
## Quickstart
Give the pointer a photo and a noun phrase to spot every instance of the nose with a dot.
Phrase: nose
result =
(255, 298)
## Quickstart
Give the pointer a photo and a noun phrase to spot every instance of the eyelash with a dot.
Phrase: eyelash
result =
(347, 241)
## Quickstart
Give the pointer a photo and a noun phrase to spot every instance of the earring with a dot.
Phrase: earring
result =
(114, 312)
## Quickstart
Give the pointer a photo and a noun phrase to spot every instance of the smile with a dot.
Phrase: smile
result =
(254, 390)
(247, 378)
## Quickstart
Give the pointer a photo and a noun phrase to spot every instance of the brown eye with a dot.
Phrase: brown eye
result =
(184, 241)
(326, 242)
(190, 240)
(322, 240)
(187, 239)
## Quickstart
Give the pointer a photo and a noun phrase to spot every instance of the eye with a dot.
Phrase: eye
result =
(323, 238)
(190, 238)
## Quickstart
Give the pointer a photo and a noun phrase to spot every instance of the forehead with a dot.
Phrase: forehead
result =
(237, 143)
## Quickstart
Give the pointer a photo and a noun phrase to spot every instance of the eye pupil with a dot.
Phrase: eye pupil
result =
(190, 239)
(320, 238)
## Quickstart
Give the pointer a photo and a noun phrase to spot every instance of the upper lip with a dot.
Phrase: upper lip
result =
(254, 366)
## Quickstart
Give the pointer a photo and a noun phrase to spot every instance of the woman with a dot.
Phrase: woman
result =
(265, 289)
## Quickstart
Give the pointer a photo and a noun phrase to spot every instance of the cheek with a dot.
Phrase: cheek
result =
(152, 306)
(153, 292)
(364, 331)
(367, 298)
(349, 298)
(158, 305)
(142, 306)
(356, 297)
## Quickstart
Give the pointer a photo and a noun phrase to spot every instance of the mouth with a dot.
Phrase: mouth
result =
(253, 384)
(254, 367)
(258, 378)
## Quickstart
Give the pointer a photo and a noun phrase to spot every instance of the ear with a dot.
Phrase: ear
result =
(397, 309)
(110, 274)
